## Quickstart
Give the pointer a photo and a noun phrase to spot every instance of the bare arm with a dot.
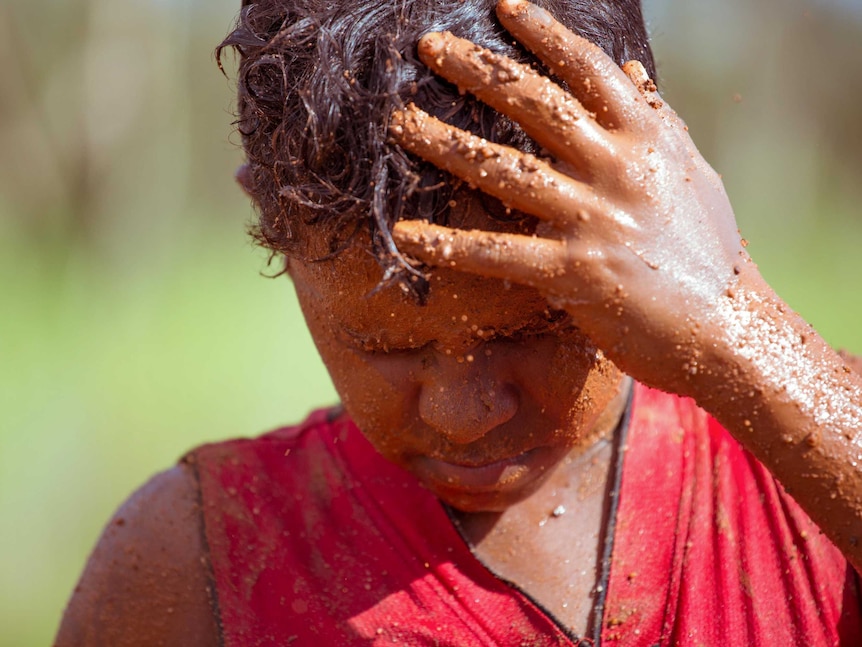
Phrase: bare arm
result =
(638, 241)
(853, 361)
(147, 581)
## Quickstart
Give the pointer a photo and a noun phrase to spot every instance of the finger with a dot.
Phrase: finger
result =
(547, 113)
(637, 74)
(592, 76)
(645, 85)
(523, 259)
(520, 180)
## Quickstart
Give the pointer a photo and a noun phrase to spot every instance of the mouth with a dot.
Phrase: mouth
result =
(507, 474)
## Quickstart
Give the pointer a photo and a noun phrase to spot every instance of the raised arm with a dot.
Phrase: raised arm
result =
(147, 581)
(637, 240)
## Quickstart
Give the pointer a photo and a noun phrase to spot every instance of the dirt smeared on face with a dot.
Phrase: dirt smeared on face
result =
(638, 242)
(480, 393)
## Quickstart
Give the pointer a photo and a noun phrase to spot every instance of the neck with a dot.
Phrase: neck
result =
(583, 471)
(552, 544)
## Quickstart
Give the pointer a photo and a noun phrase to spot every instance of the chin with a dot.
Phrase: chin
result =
(486, 501)
(474, 506)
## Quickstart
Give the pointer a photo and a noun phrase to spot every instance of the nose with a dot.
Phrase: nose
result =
(464, 401)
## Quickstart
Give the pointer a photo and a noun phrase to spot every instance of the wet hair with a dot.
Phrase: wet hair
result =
(317, 81)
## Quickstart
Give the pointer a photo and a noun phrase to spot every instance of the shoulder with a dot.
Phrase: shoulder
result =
(147, 581)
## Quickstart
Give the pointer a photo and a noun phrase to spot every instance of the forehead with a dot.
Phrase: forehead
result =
(342, 293)
(346, 288)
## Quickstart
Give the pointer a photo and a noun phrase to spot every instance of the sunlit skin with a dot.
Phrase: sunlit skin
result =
(480, 392)
(502, 393)
(493, 400)
(638, 242)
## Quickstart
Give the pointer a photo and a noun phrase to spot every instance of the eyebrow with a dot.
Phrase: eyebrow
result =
(549, 321)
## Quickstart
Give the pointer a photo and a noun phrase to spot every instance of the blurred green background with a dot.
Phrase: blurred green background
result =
(135, 322)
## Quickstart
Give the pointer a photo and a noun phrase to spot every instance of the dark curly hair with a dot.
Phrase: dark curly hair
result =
(318, 80)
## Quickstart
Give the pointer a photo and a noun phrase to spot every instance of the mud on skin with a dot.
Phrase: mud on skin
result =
(639, 244)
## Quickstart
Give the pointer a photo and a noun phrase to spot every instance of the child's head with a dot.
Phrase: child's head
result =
(484, 379)
(317, 82)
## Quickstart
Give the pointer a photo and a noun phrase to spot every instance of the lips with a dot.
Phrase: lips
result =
(498, 476)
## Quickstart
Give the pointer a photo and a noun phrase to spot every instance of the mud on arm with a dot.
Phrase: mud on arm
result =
(638, 241)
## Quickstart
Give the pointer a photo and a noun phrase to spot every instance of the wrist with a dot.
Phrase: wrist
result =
(786, 396)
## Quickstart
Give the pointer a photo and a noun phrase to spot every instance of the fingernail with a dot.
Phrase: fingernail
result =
(431, 44)
(635, 70)
(396, 123)
(511, 8)
(405, 232)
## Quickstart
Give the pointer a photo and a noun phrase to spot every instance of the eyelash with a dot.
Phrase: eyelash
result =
(516, 336)
(376, 348)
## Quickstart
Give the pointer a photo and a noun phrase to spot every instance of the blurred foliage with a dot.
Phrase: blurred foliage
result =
(135, 322)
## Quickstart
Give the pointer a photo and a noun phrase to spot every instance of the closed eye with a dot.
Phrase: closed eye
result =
(550, 322)
(376, 346)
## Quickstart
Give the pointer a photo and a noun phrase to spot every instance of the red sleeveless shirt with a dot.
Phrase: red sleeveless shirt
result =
(315, 539)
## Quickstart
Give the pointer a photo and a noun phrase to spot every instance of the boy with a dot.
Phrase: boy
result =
(495, 476)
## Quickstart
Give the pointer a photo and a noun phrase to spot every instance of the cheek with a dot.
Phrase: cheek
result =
(576, 385)
(557, 370)
(376, 402)
(573, 362)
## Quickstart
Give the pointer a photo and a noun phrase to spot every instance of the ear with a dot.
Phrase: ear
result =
(244, 179)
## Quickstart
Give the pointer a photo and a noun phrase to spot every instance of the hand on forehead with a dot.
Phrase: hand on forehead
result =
(633, 220)
(461, 308)
(348, 66)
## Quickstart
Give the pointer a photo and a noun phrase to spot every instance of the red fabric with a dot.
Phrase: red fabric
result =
(709, 549)
(316, 540)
